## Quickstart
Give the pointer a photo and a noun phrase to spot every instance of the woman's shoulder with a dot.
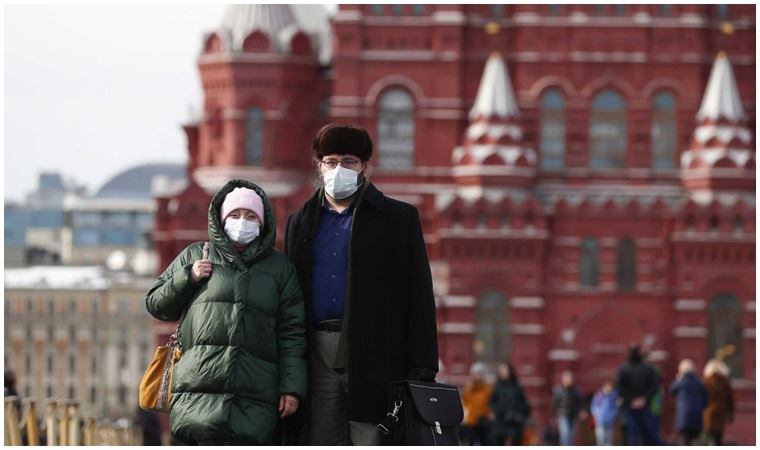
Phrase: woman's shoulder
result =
(191, 252)
(277, 261)
(194, 248)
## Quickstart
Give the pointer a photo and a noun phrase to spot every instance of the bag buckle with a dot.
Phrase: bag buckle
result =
(394, 414)
(396, 407)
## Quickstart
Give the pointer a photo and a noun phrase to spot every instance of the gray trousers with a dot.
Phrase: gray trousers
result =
(329, 399)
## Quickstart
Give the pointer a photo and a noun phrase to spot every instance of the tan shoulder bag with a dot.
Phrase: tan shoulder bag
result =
(156, 383)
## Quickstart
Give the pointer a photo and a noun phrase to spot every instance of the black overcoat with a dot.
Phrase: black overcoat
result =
(392, 325)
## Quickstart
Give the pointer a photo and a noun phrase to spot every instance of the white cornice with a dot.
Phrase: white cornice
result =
(527, 302)
(689, 332)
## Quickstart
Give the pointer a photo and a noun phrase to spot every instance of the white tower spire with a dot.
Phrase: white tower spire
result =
(721, 100)
(495, 95)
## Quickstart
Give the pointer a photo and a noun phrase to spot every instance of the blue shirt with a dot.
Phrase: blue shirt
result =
(604, 407)
(330, 263)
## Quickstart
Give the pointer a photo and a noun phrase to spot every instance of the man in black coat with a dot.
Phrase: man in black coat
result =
(370, 310)
(637, 383)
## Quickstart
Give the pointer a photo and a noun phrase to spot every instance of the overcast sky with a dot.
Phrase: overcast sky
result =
(92, 90)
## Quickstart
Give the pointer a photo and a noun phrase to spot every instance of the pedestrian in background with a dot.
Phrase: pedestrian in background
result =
(637, 385)
(510, 408)
(657, 406)
(9, 383)
(566, 406)
(720, 401)
(691, 399)
(604, 408)
(477, 411)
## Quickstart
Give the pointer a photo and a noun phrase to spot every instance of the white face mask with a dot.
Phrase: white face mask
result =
(241, 231)
(340, 182)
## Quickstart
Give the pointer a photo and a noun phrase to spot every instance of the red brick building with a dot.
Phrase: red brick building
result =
(585, 173)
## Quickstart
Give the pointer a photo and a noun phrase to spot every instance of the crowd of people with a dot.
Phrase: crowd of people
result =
(625, 411)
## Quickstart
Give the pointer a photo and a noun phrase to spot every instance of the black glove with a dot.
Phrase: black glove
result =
(422, 374)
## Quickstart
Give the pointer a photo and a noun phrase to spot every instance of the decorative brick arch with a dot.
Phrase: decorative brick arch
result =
(251, 100)
(385, 83)
(213, 43)
(611, 82)
(663, 84)
(257, 42)
(552, 81)
(726, 284)
(300, 44)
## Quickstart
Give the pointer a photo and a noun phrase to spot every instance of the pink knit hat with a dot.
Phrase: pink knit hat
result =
(245, 198)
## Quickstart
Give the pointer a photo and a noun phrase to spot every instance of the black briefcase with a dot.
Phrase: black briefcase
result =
(422, 413)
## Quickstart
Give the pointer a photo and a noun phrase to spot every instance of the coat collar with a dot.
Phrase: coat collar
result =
(374, 197)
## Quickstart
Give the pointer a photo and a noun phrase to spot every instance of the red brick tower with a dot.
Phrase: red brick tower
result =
(265, 95)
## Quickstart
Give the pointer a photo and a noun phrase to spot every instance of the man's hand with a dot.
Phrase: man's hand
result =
(288, 405)
(201, 269)
(638, 403)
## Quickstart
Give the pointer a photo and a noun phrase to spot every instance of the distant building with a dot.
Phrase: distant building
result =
(585, 174)
(119, 217)
(78, 333)
(52, 191)
(16, 219)
(33, 229)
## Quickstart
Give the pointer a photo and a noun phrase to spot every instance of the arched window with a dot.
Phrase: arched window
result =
(552, 129)
(589, 263)
(608, 131)
(664, 131)
(724, 336)
(626, 263)
(738, 224)
(497, 11)
(213, 44)
(254, 136)
(395, 129)
(257, 42)
(492, 331)
(300, 44)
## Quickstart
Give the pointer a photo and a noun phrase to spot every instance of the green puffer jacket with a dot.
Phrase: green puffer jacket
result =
(243, 336)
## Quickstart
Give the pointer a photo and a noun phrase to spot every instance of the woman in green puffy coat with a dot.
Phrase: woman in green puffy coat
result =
(243, 365)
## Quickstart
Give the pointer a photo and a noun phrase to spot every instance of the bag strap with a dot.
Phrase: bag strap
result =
(391, 419)
(174, 338)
